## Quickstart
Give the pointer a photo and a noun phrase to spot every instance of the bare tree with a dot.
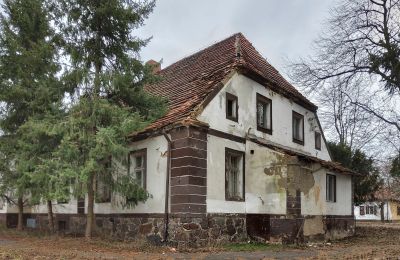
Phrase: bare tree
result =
(361, 38)
(343, 119)
(355, 70)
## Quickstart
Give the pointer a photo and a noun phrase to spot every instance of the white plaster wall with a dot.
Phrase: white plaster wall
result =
(157, 148)
(216, 202)
(58, 208)
(245, 89)
(263, 194)
(314, 202)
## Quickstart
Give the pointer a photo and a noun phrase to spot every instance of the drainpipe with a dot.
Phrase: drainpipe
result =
(166, 217)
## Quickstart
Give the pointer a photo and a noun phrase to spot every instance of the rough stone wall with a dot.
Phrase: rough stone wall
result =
(207, 230)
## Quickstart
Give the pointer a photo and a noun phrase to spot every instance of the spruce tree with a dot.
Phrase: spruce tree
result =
(29, 92)
(108, 78)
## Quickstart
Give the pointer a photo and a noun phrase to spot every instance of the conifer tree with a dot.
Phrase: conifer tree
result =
(29, 92)
(108, 78)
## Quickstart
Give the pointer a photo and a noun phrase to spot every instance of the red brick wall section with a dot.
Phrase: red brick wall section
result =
(188, 170)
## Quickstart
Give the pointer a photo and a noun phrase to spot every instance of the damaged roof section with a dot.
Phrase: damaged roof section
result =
(190, 82)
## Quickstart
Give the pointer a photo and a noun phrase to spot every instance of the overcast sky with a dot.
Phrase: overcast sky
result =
(278, 29)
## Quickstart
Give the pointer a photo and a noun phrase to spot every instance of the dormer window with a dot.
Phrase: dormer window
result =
(264, 114)
(318, 141)
(231, 107)
(298, 128)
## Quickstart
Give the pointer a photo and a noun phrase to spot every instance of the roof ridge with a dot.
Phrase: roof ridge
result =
(202, 50)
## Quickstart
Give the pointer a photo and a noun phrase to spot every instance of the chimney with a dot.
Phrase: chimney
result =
(154, 65)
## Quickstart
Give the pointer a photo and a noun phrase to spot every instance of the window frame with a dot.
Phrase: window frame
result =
(142, 152)
(229, 96)
(235, 153)
(317, 136)
(97, 195)
(264, 100)
(362, 210)
(328, 199)
(298, 116)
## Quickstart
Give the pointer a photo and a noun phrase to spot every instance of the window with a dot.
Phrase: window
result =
(103, 192)
(137, 167)
(370, 210)
(362, 210)
(331, 188)
(231, 107)
(298, 128)
(81, 206)
(234, 175)
(264, 114)
(318, 141)
(398, 210)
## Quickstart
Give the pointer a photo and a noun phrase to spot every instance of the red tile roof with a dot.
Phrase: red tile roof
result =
(188, 82)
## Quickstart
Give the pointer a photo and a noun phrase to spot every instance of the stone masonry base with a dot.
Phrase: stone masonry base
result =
(199, 230)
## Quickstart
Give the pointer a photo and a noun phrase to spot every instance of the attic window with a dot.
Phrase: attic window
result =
(231, 107)
(298, 128)
(264, 114)
(318, 141)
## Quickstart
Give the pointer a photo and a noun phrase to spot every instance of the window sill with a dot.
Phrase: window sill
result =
(235, 199)
(234, 119)
(298, 141)
(264, 130)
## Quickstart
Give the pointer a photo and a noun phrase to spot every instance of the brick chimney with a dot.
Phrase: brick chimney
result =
(156, 66)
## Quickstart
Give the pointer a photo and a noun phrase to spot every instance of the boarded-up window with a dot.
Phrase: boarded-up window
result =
(264, 114)
(234, 175)
(298, 128)
(330, 188)
(362, 210)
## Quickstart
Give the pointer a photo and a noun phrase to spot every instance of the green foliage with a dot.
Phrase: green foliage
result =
(369, 180)
(395, 167)
(29, 92)
(108, 79)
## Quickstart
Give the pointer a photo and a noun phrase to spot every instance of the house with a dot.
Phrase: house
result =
(385, 207)
(240, 154)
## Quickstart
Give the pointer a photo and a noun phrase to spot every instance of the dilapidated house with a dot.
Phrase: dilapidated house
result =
(240, 154)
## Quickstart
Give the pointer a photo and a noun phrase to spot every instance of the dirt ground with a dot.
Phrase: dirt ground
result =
(373, 241)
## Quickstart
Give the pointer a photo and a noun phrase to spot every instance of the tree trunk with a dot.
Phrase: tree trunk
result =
(20, 205)
(90, 207)
(50, 216)
(383, 211)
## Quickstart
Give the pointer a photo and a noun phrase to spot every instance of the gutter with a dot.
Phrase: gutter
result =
(166, 209)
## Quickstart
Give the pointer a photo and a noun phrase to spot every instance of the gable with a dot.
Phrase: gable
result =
(187, 83)
(246, 91)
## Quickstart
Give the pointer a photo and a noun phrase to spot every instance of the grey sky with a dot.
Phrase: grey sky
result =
(278, 29)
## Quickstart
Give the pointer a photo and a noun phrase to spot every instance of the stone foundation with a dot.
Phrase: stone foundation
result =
(200, 230)
(207, 230)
